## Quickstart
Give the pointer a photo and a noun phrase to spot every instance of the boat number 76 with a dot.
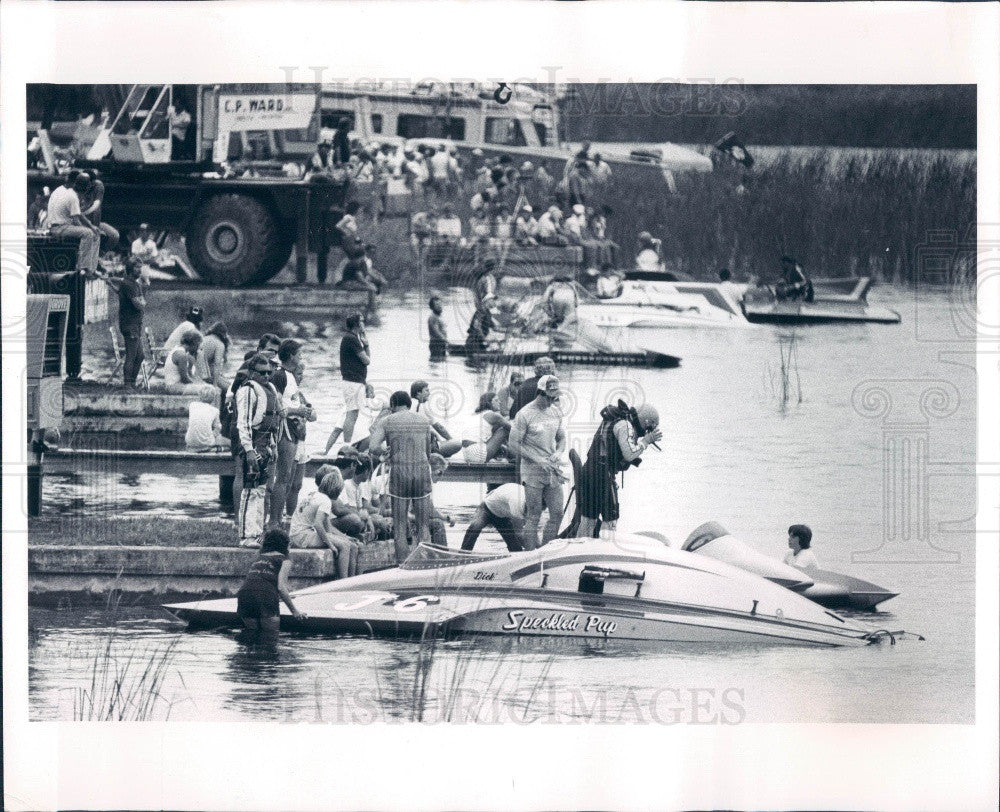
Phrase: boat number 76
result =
(411, 604)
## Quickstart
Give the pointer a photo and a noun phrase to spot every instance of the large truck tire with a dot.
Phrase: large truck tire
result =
(277, 259)
(233, 240)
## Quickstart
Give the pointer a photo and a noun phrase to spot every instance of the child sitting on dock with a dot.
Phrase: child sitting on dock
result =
(204, 430)
(266, 583)
(311, 525)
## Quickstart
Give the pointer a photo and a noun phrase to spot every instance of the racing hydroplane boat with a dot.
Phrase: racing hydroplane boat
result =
(831, 589)
(662, 299)
(634, 588)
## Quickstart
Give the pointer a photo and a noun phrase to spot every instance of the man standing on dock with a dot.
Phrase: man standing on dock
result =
(259, 416)
(539, 440)
(131, 306)
(287, 387)
(407, 436)
(354, 361)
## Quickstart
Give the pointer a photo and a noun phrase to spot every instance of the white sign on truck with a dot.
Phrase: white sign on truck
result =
(261, 111)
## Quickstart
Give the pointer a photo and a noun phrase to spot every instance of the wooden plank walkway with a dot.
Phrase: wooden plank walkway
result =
(188, 463)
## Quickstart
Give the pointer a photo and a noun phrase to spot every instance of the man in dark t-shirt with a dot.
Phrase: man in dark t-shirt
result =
(354, 361)
(528, 390)
(131, 305)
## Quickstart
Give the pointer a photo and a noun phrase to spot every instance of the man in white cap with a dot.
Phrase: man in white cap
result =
(525, 226)
(539, 440)
(619, 443)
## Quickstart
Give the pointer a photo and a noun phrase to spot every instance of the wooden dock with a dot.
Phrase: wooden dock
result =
(189, 463)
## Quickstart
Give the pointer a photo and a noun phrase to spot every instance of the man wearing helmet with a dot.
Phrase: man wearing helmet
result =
(621, 439)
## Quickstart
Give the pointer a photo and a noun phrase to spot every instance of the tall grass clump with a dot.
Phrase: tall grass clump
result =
(125, 684)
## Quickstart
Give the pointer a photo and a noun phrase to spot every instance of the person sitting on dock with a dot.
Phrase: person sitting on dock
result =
(311, 527)
(204, 430)
(266, 583)
(65, 218)
(449, 225)
(215, 351)
(191, 323)
(359, 496)
(442, 443)
(525, 226)
(800, 554)
(179, 371)
(496, 431)
(503, 509)
(437, 331)
(794, 284)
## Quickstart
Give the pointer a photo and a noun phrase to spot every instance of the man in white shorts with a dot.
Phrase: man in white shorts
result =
(354, 361)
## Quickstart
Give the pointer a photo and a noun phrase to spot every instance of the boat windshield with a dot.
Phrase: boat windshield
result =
(427, 557)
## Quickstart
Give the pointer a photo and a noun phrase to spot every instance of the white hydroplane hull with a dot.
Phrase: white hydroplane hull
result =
(633, 588)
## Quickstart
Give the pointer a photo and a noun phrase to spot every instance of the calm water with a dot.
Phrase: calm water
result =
(736, 450)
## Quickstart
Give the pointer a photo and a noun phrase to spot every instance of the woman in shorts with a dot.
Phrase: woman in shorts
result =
(266, 583)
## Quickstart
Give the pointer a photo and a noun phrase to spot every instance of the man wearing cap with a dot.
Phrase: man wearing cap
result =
(616, 446)
(528, 390)
(525, 226)
(538, 439)
(259, 417)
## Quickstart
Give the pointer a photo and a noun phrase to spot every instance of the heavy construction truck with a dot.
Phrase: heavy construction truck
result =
(163, 159)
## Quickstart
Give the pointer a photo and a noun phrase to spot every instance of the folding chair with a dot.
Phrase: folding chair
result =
(156, 354)
(117, 349)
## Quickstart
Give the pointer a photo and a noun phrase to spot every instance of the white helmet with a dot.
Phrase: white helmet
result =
(649, 418)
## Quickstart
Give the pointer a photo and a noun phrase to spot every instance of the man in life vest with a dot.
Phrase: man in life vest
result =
(794, 283)
(624, 434)
(259, 416)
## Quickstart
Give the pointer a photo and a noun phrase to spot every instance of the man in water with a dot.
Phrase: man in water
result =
(437, 332)
(538, 438)
(800, 554)
(616, 446)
